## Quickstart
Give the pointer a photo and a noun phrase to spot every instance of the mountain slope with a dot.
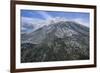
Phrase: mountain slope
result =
(64, 40)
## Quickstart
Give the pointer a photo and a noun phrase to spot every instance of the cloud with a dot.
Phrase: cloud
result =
(45, 15)
(30, 20)
(81, 21)
(31, 24)
(48, 17)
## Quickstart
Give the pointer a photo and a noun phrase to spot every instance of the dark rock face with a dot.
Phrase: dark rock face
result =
(56, 42)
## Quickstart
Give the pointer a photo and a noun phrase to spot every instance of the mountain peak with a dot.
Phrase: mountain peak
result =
(58, 19)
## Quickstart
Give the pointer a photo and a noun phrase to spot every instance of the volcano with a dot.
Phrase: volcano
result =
(58, 41)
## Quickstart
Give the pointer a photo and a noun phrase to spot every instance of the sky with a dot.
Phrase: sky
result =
(36, 17)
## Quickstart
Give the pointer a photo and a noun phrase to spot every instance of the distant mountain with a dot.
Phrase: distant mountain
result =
(59, 41)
